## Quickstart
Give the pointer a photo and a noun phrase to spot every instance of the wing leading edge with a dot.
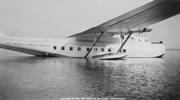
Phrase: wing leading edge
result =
(139, 18)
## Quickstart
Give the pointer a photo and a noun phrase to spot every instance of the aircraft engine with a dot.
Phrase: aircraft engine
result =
(142, 30)
(147, 29)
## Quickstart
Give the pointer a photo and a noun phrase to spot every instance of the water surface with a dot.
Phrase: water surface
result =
(24, 77)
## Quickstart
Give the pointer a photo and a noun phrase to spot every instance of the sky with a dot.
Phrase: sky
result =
(61, 18)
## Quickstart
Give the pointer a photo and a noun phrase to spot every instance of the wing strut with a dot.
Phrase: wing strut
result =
(95, 41)
(121, 37)
(120, 49)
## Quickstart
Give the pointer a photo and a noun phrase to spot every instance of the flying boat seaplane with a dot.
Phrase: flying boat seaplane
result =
(113, 39)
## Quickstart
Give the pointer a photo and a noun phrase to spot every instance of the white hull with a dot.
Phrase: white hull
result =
(79, 47)
(151, 50)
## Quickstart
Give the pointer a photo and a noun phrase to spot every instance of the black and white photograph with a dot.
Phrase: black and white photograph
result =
(89, 49)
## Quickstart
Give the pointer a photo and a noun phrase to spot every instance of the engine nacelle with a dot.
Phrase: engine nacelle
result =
(147, 29)
(141, 30)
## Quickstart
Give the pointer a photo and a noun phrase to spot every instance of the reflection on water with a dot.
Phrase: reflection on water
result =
(26, 77)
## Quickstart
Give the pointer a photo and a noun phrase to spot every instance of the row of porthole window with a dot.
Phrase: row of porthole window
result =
(87, 49)
(146, 40)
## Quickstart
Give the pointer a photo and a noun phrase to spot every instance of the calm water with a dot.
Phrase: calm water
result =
(25, 77)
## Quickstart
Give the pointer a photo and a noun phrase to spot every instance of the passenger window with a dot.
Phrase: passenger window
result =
(54, 47)
(95, 49)
(139, 40)
(87, 49)
(109, 50)
(79, 48)
(71, 48)
(62, 48)
(102, 49)
(124, 50)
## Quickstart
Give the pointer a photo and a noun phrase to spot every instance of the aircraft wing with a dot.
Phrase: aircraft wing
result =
(27, 50)
(142, 17)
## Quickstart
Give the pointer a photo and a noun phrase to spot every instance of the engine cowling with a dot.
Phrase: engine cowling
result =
(142, 30)
(147, 29)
